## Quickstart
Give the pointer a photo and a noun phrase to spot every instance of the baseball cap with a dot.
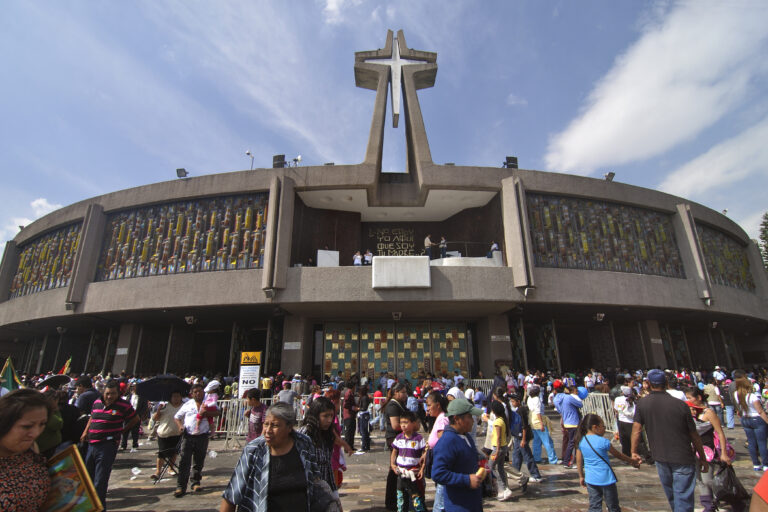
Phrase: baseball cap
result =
(462, 406)
(657, 377)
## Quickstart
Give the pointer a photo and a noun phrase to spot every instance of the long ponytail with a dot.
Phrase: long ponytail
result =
(590, 420)
(498, 393)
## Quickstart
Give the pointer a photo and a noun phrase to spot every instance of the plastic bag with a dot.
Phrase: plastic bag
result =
(726, 486)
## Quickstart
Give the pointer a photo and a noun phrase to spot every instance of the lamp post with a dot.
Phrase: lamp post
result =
(248, 153)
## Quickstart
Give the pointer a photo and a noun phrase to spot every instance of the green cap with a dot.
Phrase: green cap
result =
(461, 406)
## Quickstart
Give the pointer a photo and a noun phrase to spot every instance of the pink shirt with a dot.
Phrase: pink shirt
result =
(440, 423)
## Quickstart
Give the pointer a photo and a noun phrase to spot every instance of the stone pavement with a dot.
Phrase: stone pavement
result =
(365, 481)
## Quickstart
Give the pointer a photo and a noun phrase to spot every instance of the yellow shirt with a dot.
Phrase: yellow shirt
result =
(499, 422)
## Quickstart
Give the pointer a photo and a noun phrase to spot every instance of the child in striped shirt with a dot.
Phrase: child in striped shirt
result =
(407, 462)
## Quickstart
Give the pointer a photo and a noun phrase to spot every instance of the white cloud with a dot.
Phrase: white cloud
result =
(751, 223)
(728, 162)
(683, 74)
(37, 208)
(333, 10)
(514, 100)
(41, 206)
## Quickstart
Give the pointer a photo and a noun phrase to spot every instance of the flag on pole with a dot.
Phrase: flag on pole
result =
(8, 378)
(65, 369)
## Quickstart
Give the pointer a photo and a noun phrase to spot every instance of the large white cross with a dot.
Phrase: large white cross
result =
(395, 80)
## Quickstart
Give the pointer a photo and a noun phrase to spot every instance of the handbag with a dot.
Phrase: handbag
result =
(726, 487)
(586, 438)
(428, 460)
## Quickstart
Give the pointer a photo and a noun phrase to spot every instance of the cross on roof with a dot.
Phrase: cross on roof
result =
(395, 64)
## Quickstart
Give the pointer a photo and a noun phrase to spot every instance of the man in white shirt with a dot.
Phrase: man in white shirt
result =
(589, 382)
(192, 420)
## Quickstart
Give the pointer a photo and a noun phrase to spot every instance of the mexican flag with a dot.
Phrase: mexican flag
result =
(9, 379)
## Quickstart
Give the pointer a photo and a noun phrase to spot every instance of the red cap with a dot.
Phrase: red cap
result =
(557, 384)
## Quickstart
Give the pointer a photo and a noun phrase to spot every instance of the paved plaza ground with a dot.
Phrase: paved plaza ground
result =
(365, 481)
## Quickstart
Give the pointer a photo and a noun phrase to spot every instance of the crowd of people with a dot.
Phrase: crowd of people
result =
(300, 431)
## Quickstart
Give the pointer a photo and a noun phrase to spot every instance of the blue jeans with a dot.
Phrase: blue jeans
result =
(363, 426)
(99, 461)
(757, 436)
(439, 504)
(598, 493)
(679, 483)
(542, 437)
(729, 417)
(520, 454)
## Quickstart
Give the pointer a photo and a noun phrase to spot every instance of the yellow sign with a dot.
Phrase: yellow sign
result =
(249, 358)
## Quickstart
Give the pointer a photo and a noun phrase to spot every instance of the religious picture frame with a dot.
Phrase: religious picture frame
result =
(71, 485)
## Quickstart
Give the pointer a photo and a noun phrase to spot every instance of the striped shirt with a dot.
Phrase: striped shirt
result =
(409, 450)
(107, 421)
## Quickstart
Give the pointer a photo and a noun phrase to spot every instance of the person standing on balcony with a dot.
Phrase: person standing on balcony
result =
(428, 244)
(443, 247)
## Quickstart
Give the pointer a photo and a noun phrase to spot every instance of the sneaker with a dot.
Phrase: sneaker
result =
(569, 466)
(765, 468)
(360, 452)
(504, 496)
(757, 468)
(179, 492)
(196, 488)
(536, 480)
(154, 477)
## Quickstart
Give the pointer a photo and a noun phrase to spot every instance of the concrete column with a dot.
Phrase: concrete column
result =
(690, 250)
(613, 343)
(516, 234)
(232, 340)
(297, 345)
(270, 238)
(687, 347)
(644, 344)
(652, 332)
(58, 350)
(87, 256)
(127, 347)
(40, 355)
(168, 349)
(284, 233)
(106, 352)
(138, 350)
(90, 348)
(8, 267)
(493, 342)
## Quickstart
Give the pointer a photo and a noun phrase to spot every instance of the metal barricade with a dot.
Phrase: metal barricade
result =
(601, 404)
(485, 384)
(233, 424)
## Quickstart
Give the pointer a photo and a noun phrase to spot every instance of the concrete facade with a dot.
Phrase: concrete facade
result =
(513, 311)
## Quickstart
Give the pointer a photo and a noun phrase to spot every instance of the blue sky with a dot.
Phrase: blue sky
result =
(101, 96)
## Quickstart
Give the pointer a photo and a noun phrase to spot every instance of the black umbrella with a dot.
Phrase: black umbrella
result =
(159, 389)
(55, 381)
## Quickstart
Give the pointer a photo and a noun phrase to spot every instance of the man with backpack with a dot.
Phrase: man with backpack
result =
(521, 437)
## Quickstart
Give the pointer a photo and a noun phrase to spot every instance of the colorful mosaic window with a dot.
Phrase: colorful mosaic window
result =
(585, 234)
(726, 259)
(46, 262)
(220, 233)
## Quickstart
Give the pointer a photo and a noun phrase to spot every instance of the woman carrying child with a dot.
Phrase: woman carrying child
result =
(712, 436)
(595, 472)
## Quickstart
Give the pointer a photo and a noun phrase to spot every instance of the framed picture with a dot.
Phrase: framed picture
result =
(71, 486)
